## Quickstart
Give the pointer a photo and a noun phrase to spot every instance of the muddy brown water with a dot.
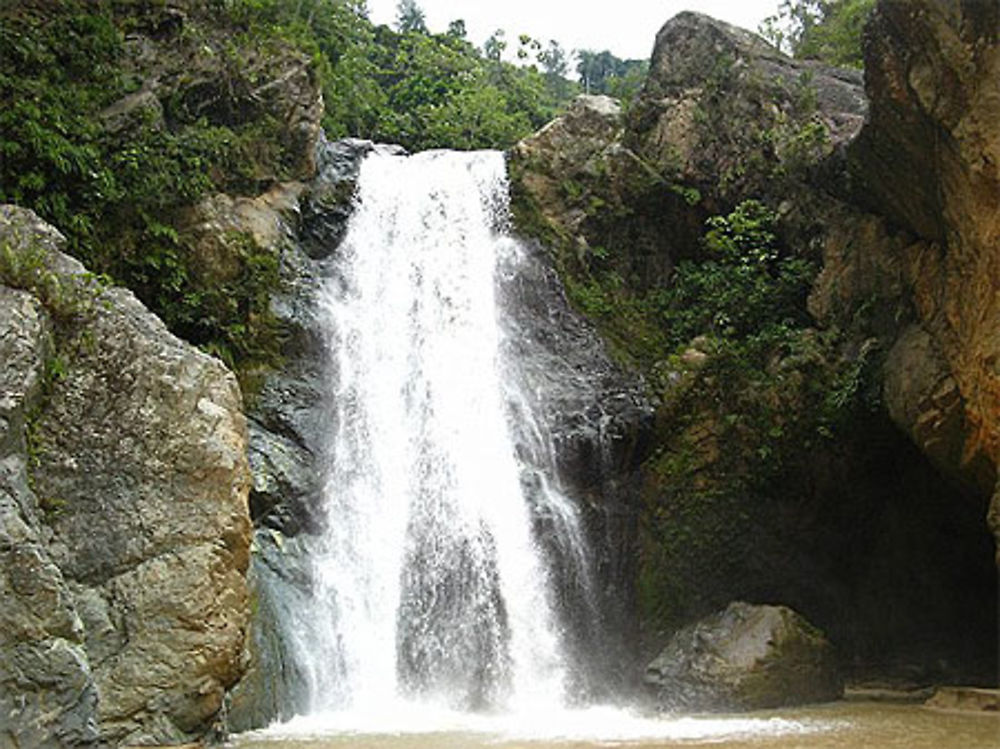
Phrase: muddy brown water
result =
(846, 725)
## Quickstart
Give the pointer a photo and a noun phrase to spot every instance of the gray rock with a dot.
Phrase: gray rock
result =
(132, 112)
(47, 693)
(328, 204)
(285, 481)
(275, 687)
(289, 424)
(745, 658)
(719, 98)
(132, 527)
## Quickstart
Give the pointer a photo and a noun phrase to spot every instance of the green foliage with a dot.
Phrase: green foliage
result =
(410, 86)
(826, 30)
(744, 286)
(231, 317)
(51, 80)
(117, 193)
(410, 17)
(603, 73)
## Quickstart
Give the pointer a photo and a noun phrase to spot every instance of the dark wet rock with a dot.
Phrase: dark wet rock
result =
(289, 423)
(282, 471)
(600, 422)
(328, 205)
(275, 687)
(745, 658)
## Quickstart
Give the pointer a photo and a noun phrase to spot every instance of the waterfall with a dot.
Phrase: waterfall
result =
(443, 520)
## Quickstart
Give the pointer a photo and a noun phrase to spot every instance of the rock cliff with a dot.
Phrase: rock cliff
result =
(864, 438)
(125, 526)
(933, 76)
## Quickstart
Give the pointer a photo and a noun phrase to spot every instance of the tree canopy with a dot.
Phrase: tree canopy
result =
(603, 73)
(826, 30)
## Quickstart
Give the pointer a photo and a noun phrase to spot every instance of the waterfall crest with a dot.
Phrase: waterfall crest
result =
(432, 582)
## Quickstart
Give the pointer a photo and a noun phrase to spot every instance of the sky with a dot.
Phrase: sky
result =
(625, 27)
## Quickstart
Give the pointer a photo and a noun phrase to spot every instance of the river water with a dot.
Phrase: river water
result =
(845, 725)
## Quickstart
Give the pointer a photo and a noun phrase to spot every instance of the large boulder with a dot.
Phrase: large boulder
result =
(745, 658)
(126, 531)
(576, 185)
(723, 109)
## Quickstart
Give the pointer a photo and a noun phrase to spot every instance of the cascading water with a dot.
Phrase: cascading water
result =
(431, 582)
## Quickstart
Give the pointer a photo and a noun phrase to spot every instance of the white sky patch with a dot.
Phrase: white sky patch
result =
(625, 27)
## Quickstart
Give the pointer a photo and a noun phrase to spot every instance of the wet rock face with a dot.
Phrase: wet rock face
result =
(289, 425)
(600, 421)
(745, 658)
(123, 500)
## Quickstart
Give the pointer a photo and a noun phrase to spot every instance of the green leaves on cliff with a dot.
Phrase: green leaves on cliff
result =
(115, 180)
(826, 30)
(53, 76)
(744, 286)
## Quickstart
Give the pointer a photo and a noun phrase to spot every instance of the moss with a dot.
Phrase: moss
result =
(26, 262)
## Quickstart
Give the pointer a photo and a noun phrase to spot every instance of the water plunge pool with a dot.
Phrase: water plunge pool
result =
(842, 725)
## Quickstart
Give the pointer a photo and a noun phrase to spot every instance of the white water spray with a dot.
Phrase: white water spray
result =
(430, 584)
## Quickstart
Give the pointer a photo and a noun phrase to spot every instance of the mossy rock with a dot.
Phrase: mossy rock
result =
(746, 657)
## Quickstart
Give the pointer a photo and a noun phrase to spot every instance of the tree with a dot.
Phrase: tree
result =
(494, 47)
(553, 60)
(594, 69)
(555, 65)
(527, 47)
(410, 17)
(826, 30)
(603, 73)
